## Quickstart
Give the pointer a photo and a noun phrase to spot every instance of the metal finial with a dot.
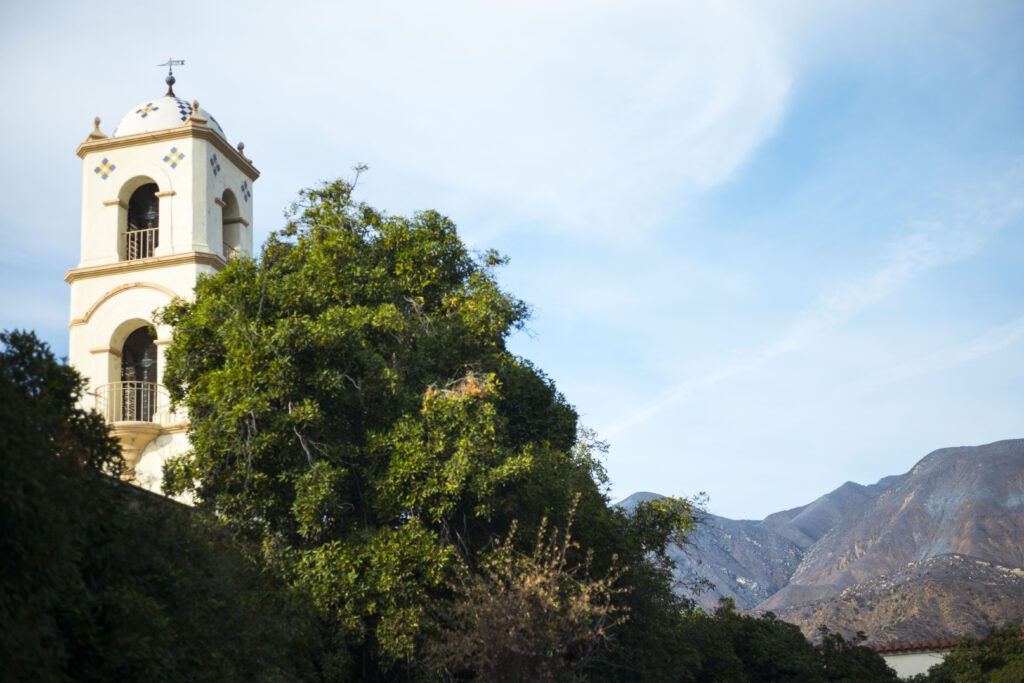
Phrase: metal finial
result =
(170, 80)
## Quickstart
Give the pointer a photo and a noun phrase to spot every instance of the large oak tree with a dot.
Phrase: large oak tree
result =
(354, 408)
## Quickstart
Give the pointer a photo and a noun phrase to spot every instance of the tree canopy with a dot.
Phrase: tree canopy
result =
(355, 409)
(726, 645)
(105, 582)
(996, 658)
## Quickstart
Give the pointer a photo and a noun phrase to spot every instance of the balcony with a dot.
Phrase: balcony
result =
(135, 402)
(141, 243)
(230, 252)
(137, 412)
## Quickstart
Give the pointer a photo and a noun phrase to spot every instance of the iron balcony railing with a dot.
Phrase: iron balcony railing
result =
(141, 243)
(136, 402)
(231, 252)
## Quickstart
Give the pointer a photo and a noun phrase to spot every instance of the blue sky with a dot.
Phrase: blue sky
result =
(768, 250)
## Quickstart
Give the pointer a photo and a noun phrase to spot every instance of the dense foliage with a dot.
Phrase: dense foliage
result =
(729, 646)
(103, 582)
(356, 411)
(997, 658)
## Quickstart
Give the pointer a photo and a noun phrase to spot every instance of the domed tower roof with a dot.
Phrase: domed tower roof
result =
(161, 113)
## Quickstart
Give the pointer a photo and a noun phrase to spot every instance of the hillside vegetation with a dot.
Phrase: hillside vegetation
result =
(104, 582)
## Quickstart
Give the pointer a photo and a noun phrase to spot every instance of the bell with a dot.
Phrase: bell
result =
(148, 217)
(144, 208)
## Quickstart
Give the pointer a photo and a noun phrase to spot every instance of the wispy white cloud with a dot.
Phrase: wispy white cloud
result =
(588, 116)
(991, 341)
(926, 246)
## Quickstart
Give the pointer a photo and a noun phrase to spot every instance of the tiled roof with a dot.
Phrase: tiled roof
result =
(918, 646)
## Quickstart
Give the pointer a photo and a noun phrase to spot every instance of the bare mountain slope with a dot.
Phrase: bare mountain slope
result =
(968, 501)
(749, 561)
(740, 559)
(933, 553)
(805, 525)
(737, 557)
(948, 595)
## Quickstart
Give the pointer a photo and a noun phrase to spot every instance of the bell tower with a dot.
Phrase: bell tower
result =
(165, 199)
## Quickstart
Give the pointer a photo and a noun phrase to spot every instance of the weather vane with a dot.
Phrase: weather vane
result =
(170, 64)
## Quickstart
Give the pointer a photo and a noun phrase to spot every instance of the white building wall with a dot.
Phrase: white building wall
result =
(907, 664)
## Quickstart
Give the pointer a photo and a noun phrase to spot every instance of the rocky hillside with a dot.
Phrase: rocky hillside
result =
(805, 525)
(919, 534)
(750, 561)
(930, 600)
(737, 559)
(968, 501)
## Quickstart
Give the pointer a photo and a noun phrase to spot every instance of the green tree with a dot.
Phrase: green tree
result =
(47, 448)
(731, 646)
(847, 661)
(101, 581)
(997, 658)
(354, 408)
(728, 646)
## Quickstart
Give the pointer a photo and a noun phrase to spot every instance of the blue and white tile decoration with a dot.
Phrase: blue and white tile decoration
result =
(105, 169)
(184, 109)
(147, 109)
(173, 157)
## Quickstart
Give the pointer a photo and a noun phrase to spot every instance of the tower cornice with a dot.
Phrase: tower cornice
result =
(194, 131)
(190, 258)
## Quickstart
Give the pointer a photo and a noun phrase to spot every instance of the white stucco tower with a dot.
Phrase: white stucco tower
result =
(164, 199)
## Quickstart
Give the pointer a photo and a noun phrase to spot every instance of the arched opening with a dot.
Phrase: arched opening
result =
(138, 386)
(142, 236)
(233, 224)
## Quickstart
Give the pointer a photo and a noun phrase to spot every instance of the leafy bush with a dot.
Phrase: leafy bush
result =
(102, 581)
(997, 658)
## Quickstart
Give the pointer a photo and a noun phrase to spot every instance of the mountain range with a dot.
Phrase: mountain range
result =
(934, 553)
